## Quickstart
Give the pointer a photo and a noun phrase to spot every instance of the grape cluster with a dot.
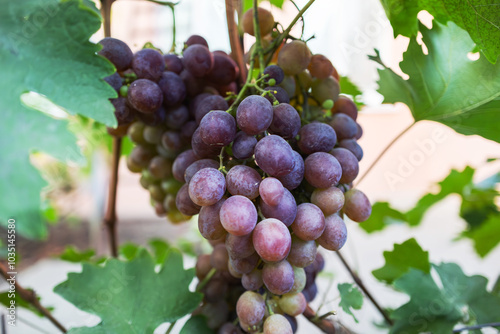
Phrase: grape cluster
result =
(269, 172)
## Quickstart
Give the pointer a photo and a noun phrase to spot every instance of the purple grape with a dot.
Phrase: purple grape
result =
(194, 85)
(310, 292)
(278, 277)
(114, 80)
(224, 71)
(238, 215)
(344, 126)
(329, 200)
(274, 72)
(173, 63)
(239, 246)
(202, 149)
(285, 211)
(245, 265)
(279, 93)
(251, 308)
(184, 203)
(197, 166)
(209, 103)
(198, 60)
(353, 146)
(195, 102)
(277, 324)
(316, 137)
(218, 128)
(322, 170)
(348, 162)
(302, 253)
(345, 105)
(286, 121)
(359, 132)
(295, 177)
(173, 88)
(209, 221)
(243, 180)
(274, 156)
(252, 280)
(117, 52)
(157, 118)
(271, 240)
(171, 140)
(207, 187)
(254, 114)
(142, 155)
(271, 191)
(176, 117)
(196, 39)
(309, 222)
(145, 96)
(357, 206)
(148, 64)
(335, 234)
(182, 162)
(243, 145)
(123, 113)
(188, 130)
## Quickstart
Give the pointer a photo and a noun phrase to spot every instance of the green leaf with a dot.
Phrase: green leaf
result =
(129, 250)
(487, 236)
(196, 325)
(480, 18)
(405, 256)
(350, 298)
(45, 49)
(71, 254)
(438, 309)
(160, 249)
(277, 3)
(382, 215)
(347, 87)
(247, 4)
(6, 297)
(445, 86)
(130, 297)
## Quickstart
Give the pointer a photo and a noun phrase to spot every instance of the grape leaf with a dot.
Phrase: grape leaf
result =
(437, 307)
(71, 254)
(350, 298)
(480, 18)
(45, 49)
(382, 215)
(445, 86)
(5, 300)
(405, 256)
(247, 4)
(130, 297)
(196, 325)
(486, 236)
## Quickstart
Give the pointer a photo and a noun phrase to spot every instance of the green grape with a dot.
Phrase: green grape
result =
(171, 186)
(294, 57)
(152, 134)
(327, 104)
(136, 133)
(325, 89)
(160, 167)
(299, 279)
(293, 303)
(277, 324)
(156, 193)
(124, 91)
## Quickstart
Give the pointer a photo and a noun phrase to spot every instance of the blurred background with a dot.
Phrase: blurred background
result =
(346, 32)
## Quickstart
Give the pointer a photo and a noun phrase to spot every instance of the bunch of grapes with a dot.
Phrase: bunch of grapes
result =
(269, 171)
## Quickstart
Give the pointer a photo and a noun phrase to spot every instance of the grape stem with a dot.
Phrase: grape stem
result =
(258, 37)
(110, 215)
(362, 286)
(31, 297)
(234, 40)
(324, 324)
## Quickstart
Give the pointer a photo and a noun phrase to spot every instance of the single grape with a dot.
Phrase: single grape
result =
(148, 64)
(173, 63)
(181, 163)
(203, 266)
(348, 162)
(316, 137)
(294, 57)
(266, 21)
(243, 145)
(271, 191)
(218, 128)
(251, 308)
(289, 85)
(172, 141)
(196, 39)
(215, 290)
(285, 211)
(335, 234)
(344, 126)
(286, 121)
(252, 280)
(176, 117)
(295, 177)
(299, 279)
(320, 67)
(115, 81)
(319, 263)
(215, 313)
(277, 324)
(278, 277)
(207, 186)
(194, 85)
(152, 134)
(279, 94)
(329, 200)
(202, 149)
(309, 222)
(245, 265)
(274, 72)
(304, 80)
(188, 130)
(293, 303)
(171, 186)
(145, 96)
(345, 105)
(254, 114)
(274, 156)
(238, 215)
(353, 146)
(302, 253)
(132, 166)
(117, 52)
(272, 240)
(156, 118)
(184, 203)
(359, 133)
(142, 155)
(229, 328)
(210, 102)
(209, 221)
(169, 202)
(325, 89)
(195, 102)
(198, 60)
(310, 292)
(239, 246)
(322, 170)
(357, 206)
(197, 166)
(173, 88)
(243, 180)
(219, 257)
(160, 167)
(224, 71)
(233, 272)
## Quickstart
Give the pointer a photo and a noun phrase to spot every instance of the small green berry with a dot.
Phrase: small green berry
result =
(328, 104)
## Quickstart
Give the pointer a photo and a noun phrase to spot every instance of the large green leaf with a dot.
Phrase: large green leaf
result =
(130, 297)
(350, 298)
(481, 19)
(486, 236)
(438, 307)
(405, 256)
(45, 49)
(196, 325)
(445, 86)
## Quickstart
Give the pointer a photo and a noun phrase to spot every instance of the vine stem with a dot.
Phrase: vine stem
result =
(31, 297)
(362, 286)
(258, 40)
(324, 324)
(110, 215)
(384, 152)
(234, 40)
